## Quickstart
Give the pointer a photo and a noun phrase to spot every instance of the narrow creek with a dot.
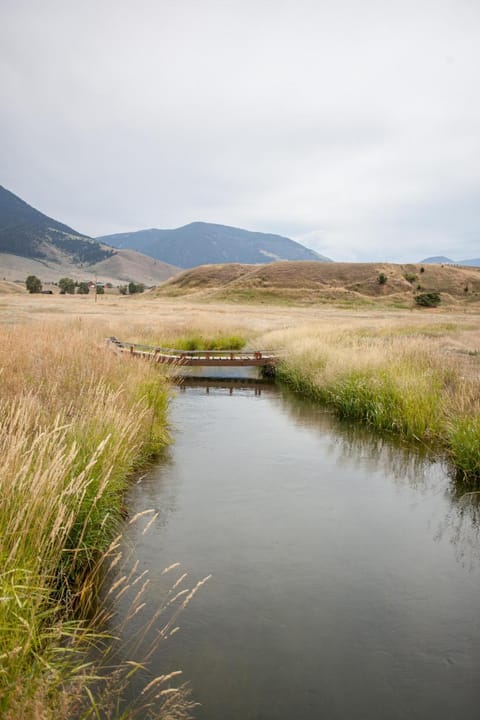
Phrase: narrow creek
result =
(345, 568)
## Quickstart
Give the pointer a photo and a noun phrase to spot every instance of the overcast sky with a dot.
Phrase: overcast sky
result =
(350, 125)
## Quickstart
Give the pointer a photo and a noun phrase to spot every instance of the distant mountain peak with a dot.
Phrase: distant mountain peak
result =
(437, 260)
(202, 243)
(33, 243)
(442, 260)
(27, 232)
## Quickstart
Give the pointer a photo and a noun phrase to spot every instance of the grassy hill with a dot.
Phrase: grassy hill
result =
(314, 282)
(201, 243)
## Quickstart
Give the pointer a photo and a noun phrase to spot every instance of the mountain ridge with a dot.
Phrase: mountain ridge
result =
(201, 243)
(441, 259)
(32, 243)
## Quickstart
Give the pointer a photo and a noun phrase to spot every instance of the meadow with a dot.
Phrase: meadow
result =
(78, 421)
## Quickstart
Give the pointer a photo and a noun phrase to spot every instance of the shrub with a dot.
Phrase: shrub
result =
(66, 285)
(83, 288)
(430, 299)
(33, 284)
(382, 279)
(135, 288)
(410, 277)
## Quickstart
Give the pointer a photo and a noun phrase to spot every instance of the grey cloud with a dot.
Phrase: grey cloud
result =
(352, 126)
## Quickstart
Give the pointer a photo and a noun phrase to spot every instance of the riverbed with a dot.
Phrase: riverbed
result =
(345, 567)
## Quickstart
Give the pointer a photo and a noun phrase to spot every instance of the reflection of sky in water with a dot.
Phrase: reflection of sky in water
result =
(336, 588)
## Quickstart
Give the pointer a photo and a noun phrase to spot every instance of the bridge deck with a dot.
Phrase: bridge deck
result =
(192, 358)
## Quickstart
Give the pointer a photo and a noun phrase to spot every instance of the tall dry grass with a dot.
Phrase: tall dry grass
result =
(75, 421)
(421, 382)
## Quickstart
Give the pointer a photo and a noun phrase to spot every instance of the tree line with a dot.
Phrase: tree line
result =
(68, 286)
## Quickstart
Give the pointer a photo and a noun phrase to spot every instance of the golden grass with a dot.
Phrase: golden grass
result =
(420, 382)
(76, 421)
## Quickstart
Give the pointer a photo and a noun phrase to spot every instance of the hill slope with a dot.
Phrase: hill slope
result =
(32, 243)
(29, 233)
(307, 282)
(202, 243)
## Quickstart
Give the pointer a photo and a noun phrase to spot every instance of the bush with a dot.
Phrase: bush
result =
(33, 284)
(83, 288)
(66, 285)
(430, 299)
(410, 277)
(135, 288)
(382, 279)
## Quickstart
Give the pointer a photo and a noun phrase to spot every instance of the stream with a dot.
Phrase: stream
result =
(345, 567)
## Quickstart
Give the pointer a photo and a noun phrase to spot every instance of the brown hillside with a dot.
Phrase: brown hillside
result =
(120, 267)
(11, 288)
(309, 282)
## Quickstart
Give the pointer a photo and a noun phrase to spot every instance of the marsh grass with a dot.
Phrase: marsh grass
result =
(76, 421)
(219, 342)
(400, 379)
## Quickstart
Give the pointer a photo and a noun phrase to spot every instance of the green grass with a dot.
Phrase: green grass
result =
(220, 342)
(76, 422)
(464, 445)
(394, 380)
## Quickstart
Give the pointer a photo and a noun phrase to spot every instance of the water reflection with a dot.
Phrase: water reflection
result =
(353, 442)
(335, 590)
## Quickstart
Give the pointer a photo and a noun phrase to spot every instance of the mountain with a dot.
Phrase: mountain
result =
(438, 260)
(29, 233)
(442, 260)
(32, 243)
(201, 243)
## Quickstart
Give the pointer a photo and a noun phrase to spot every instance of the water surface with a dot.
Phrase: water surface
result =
(345, 570)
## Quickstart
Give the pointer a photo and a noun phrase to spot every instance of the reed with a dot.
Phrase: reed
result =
(76, 421)
(418, 382)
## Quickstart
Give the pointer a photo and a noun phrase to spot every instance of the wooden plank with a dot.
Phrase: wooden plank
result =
(198, 358)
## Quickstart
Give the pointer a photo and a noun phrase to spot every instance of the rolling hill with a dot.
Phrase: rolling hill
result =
(311, 282)
(32, 243)
(201, 243)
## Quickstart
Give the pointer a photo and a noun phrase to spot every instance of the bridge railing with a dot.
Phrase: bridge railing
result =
(207, 354)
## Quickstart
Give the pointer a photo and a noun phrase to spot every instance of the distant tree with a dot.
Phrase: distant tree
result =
(66, 285)
(382, 279)
(122, 289)
(100, 290)
(83, 288)
(430, 299)
(135, 288)
(33, 284)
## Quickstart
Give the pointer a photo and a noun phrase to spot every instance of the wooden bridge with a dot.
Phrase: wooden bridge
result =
(199, 358)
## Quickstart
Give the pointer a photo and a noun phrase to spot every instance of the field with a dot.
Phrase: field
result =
(77, 421)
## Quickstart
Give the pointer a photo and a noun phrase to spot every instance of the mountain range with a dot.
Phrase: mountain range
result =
(201, 243)
(32, 243)
(442, 260)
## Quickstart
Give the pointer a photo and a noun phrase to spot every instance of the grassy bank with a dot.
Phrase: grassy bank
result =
(421, 383)
(76, 421)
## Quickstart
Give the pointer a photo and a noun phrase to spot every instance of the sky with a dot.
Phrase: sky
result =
(352, 126)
